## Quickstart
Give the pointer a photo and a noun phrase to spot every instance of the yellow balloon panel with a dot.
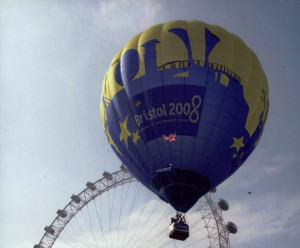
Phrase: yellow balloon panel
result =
(230, 52)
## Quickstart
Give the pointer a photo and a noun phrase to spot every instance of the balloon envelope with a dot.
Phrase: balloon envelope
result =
(183, 105)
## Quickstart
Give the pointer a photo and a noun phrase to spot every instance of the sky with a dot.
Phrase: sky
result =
(53, 57)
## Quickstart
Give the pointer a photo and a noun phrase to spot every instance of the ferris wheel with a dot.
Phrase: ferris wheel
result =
(118, 211)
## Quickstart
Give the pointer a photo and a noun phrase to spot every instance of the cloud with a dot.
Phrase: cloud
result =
(272, 210)
(264, 217)
(260, 171)
(136, 15)
(106, 7)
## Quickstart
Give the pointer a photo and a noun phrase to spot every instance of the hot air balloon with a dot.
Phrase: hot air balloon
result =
(183, 105)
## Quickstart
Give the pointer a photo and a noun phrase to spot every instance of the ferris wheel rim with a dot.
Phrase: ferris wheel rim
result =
(112, 180)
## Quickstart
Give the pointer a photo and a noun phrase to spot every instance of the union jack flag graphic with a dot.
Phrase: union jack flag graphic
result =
(170, 138)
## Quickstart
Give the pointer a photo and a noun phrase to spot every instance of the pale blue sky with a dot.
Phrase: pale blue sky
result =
(53, 57)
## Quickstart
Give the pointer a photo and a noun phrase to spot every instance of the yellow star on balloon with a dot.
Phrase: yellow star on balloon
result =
(124, 134)
(138, 103)
(111, 142)
(136, 137)
(238, 143)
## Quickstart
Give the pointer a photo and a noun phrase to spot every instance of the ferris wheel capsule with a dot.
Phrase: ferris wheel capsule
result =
(124, 168)
(214, 190)
(76, 198)
(61, 213)
(49, 229)
(231, 227)
(91, 186)
(223, 205)
(107, 175)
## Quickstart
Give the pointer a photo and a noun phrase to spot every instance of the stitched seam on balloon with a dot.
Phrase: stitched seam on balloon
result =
(184, 83)
(131, 111)
(162, 83)
(128, 154)
(152, 121)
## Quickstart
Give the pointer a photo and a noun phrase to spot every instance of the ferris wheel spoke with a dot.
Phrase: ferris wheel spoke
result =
(83, 234)
(136, 230)
(154, 239)
(125, 225)
(145, 223)
(98, 217)
(69, 241)
(120, 213)
(110, 210)
(74, 230)
(160, 233)
(122, 204)
(91, 238)
(92, 227)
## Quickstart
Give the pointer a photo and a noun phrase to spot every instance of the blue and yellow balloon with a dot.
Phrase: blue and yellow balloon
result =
(183, 105)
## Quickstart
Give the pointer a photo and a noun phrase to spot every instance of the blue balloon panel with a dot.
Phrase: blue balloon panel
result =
(179, 129)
